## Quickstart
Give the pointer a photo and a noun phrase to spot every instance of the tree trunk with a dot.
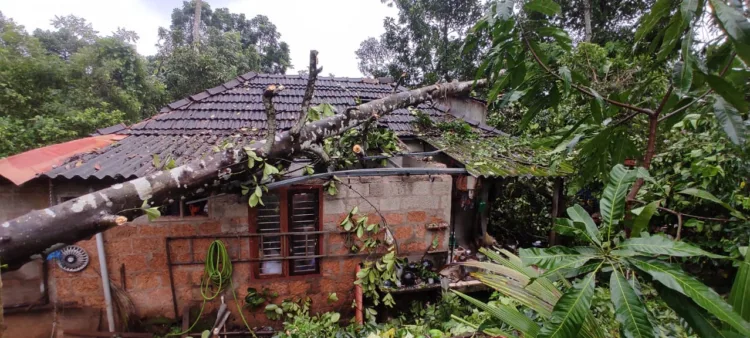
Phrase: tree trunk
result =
(587, 20)
(43, 231)
(197, 24)
(653, 125)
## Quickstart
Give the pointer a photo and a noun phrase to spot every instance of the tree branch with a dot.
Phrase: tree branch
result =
(268, 95)
(664, 100)
(312, 76)
(709, 91)
(674, 212)
(366, 125)
(37, 231)
(583, 89)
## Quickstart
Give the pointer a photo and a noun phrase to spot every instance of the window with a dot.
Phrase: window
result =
(184, 208)
(289, 229)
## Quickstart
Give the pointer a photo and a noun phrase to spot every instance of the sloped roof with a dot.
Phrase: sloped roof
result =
(233, 112)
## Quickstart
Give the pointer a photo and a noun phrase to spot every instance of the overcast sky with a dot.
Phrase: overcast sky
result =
(333, 27)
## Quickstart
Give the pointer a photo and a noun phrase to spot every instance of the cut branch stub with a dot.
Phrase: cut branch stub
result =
(312, 76)
(268, 95)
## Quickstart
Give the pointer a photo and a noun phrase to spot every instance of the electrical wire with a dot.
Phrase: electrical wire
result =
(217, 273)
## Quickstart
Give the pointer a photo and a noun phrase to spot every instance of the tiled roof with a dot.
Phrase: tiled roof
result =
(233, 112)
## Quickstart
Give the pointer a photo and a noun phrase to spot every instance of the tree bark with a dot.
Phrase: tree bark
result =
(197, 24)
(653, 125)
(587, 20)
(43, 231)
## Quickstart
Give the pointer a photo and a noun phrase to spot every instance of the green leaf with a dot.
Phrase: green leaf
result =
(710, 197)
(565, 74)
(560, 36)
(728, 92)
(730, 120)
(736, 26)
(205, 334)
(739, 297)
(506, 314)
(269, 170)
(682, 76)
(671, 36)
(698, 319)
(556, 256)
(674, 278)
(629, 309)
(253, 200)
(152, 213)
(688, 8)
(570, 311)
(612, 203)
(658, 11)
(597, 106)
(661, 245)
(641, 221)
(156, 161)
(547, 7)
(579, 215)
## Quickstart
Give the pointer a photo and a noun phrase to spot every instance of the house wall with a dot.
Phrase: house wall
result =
(474, 110)
(139, 248)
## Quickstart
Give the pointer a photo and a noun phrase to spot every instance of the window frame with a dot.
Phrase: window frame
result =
(284, 204)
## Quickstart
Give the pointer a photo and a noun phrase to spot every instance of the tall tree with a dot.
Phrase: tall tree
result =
(221, 44)
(65, 83)
(602, 21)
(424, 42)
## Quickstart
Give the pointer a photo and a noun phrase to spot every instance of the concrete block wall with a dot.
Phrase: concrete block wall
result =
(408, 204)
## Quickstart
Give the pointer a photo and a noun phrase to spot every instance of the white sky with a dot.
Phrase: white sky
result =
(333, 27)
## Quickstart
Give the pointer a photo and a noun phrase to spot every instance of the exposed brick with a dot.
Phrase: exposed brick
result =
(330, 266)
(146, 281)
(149, 244)
(334, 207)
(119, 245)
(441, 188)
(377, 189)
(371, 179)
(157, 261)
(414, 247)
(390, 203)
(420, 231)
(394, 218)
(416, 216)
(212, 228)
(153, 229)
(421, 203)
(403, 232)
(134, 263)
(420, 188)
(182, 230)
(397, 189)
(179, 246)
(373, 218)
(299, 288)
(126, 230)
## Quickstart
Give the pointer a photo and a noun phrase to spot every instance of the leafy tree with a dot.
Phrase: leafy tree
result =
(230, 44)
(64, 84)
(424, 42)
(610, 20)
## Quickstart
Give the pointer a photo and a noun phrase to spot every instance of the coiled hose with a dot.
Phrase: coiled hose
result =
(217, 274)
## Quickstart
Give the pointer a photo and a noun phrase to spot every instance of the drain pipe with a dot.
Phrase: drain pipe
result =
(105, 281)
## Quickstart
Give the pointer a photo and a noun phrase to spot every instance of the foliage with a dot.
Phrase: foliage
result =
(520, 216)
(230, 44)
(379, 141)
(357, 224)
(423, 42)
(289, 308)
(609, 251)
(255, 299)
(64, 84)
(304, 325)
(371, 278)
(610, 20)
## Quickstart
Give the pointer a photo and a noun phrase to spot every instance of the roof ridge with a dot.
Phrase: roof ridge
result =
(200, 96)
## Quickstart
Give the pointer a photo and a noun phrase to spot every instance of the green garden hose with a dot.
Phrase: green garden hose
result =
(217, 273)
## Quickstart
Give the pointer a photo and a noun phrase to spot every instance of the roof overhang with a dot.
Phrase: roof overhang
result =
(23, 167)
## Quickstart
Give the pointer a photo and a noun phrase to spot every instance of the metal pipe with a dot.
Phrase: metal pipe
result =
(417, 154)
(105, 281)
(369, 172)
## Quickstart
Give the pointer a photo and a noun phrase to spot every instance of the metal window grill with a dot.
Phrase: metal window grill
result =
(269, 227)
(304, 209)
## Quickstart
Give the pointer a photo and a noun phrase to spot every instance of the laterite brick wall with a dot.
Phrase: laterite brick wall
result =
(408, 204)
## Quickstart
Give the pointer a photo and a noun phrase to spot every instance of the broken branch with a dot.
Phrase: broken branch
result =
(309, 91)
(268, 95)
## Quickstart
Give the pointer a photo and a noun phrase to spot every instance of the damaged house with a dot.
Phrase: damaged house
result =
(432, 195)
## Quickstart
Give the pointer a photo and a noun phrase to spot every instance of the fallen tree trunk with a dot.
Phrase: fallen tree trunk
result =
(42, 231)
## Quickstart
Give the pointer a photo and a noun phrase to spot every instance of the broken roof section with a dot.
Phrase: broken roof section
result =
(498, 156)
